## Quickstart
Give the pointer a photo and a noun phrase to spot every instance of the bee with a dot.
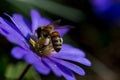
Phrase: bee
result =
(47, 39)
(51, 36)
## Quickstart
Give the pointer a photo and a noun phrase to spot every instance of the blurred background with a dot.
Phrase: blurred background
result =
(96, 31)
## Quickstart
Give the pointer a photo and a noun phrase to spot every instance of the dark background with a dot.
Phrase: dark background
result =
(96, 31)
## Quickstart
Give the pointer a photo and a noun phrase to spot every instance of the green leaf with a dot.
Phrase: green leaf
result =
(52, 7)
(24, 7)
(14, 71)
(3, 63)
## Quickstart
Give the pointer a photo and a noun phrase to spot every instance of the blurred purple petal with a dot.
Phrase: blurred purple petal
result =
(37, 63)
(30, 58)
(66, 72)
(68, 50)
(18, 52)
(16, 26)
(73, 54)
(37, 20)
(21, 25)
(40, 67)
(44, 21)
(52, 66)
(35, 60)
(72, 50)
(11, 34)
(62, 31)
(101, 5)
(35, 16)
(70, 66)
(7, 27)
(78, 59)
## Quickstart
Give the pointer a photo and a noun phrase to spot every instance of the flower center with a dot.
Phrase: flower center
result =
(45, 40)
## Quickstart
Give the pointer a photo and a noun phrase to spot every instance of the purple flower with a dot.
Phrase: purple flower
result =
(101, 5)
(17, 30)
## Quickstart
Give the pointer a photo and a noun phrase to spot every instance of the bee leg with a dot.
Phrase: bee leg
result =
(32, 42)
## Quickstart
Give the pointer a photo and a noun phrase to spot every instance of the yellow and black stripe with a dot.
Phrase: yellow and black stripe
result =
(56, 41)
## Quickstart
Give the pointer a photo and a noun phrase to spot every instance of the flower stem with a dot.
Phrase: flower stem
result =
(24, 72)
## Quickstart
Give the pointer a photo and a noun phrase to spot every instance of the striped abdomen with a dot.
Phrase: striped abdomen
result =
(56, 41)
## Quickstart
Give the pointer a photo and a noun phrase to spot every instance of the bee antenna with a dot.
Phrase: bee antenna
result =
(56, 21)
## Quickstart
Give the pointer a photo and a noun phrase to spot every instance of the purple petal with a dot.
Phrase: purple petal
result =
(11, 34)
(101, 5)
(21, 25)
(68, 53)
(18, 52)
(63, 30)
(66, 72)
(35, 60)
(17, 27)
(37, 20)
(40, 67)
(78, 59)
(59, 70)
(44, 21)
(70, 66)
(30, 58)
(53, 66)
(70, 50)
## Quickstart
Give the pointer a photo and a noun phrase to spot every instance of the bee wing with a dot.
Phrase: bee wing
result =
(63, 29)
(56, 22)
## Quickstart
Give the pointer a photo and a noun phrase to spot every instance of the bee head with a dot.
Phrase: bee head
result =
(49, 28)
(46, 30)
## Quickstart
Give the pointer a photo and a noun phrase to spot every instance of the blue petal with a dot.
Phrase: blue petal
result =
(11, 34)
(66, 72)
(37, 20)
(53, 66)
(78, 59)
(70, 53)
(31, 58)
(101, 5)
(35, 60)
(41, 67)
(70, 50)
(63, 30)
(18, 27)
(21, 25)
(18, 52)
(70, 66)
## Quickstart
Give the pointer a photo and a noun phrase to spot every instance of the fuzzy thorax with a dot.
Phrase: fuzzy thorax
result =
(42, 46)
